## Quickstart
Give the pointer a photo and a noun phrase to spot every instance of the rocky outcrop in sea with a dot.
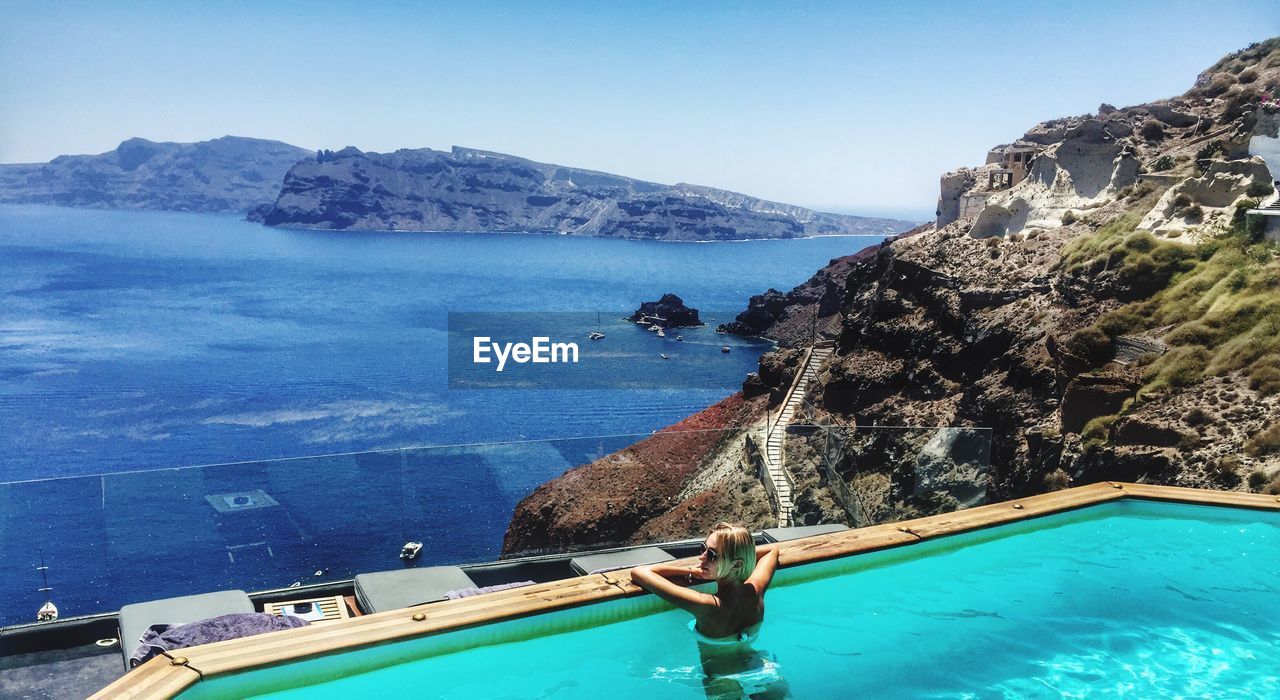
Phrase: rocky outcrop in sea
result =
(667, 312)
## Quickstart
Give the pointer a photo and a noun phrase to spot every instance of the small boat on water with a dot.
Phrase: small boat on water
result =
(595, 335)
(665, 356)
(724, 348)
(680, 338)
(662, 333)
(410, 550)
(655, 328)
(48, 612)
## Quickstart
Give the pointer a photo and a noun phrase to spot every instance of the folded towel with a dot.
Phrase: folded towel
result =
(470, 591)
(163, 637)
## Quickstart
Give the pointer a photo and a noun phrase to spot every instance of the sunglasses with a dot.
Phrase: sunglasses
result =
(712, 554)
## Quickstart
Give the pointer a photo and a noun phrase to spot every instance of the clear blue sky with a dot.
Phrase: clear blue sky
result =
(833, 105)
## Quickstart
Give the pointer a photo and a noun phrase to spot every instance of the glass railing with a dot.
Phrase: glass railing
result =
(120, 538)
(885, 474)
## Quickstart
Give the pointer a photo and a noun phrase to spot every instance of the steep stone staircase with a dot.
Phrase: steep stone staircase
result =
(776, 431)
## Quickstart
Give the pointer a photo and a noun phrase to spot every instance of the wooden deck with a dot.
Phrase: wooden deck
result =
(167, 676)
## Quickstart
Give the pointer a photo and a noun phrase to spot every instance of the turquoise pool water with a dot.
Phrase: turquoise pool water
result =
(1130, 599)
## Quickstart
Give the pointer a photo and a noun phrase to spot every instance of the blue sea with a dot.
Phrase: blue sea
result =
(132, 342)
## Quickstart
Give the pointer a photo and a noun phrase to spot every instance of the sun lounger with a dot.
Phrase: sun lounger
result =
(625, 559)
(783, 534)
(135, 618)
(403, 588)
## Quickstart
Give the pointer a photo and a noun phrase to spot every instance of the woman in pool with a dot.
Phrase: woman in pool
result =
(726, 621)
(741, 571)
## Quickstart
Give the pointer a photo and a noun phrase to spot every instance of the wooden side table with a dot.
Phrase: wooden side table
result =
(327, 609)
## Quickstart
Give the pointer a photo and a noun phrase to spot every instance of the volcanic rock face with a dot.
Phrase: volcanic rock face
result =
(471, 190)
(1095, 394)
(230, 174)
(667, 312)
(810, 311)
(1221, 185)
(1086, 168)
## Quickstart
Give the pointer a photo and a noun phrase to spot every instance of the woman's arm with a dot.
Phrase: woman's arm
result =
(766, 564)
(674, 571)
(651, 579)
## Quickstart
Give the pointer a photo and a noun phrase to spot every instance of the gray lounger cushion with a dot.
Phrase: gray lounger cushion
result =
(392, 590)
(627, 558)
(783, 534)
(137, 617)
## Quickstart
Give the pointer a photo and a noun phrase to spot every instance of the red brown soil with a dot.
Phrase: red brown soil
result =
(611, 500)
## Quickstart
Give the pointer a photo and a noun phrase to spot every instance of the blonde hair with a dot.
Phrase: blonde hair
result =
(736, 545)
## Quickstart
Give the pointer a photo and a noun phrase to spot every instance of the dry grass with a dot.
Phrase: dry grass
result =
(1222, 300)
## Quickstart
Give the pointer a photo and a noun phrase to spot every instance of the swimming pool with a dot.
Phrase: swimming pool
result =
(1126, 597)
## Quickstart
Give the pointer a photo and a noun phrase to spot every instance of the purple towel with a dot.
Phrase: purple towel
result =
(161, 638)
(468, 592)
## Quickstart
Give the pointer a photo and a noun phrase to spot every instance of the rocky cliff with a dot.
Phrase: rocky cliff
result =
(1095, 302)
(471, 190)
(682, 479)
(230, 174)
(1112, 315)
(811, 310)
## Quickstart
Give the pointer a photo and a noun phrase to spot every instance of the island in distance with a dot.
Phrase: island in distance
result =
(410, 190)
(472, 190)
(231, 174)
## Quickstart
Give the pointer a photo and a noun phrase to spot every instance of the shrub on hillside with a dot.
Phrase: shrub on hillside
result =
(1194, 333)
(1179, 368)
(1057, 480)
(1224, 471)
(1259, 189)
(1162, 164)
(1273, 487)
(1217, 86)
(1121, 321)
(1265, 380)
(1090, 344)
(1196, 416)
(1265, 442)
(1140, 190)
(1257, 479)
(1097, 431)
(1239, 103)
(1210, 150)
(1152, 130)
(1069, 217)
(1148, 265)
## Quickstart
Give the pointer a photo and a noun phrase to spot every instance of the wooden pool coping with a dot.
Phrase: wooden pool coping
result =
(168, 675)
